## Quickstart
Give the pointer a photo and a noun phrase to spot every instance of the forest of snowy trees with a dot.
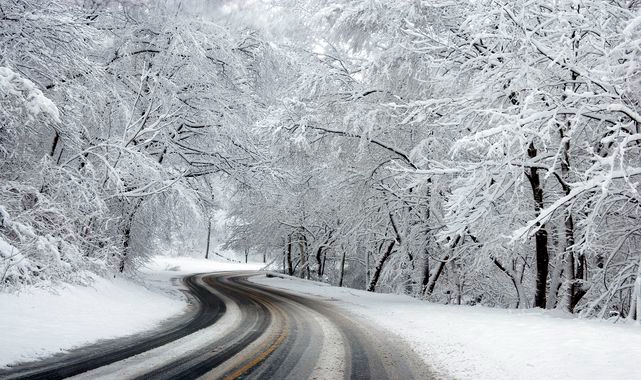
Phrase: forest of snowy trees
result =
(470, 152)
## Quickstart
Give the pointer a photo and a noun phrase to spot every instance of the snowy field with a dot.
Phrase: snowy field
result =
(38, 323)
(465, 342)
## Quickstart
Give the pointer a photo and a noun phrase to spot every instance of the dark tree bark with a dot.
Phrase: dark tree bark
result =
(541, 236)
(126, 234)
(54, 144)
(342, 274)
(288, 255)
(302, 247)
(379, 267)
(208, 238)
(320, 260)
(426, 271)
(431, 284)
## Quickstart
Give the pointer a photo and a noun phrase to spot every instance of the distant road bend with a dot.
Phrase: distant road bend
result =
(241, 330)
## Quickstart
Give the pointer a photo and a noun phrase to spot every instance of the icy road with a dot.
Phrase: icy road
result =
(242, 329)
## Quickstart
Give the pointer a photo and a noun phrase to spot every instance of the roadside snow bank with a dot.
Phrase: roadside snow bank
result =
(465, 342)
(38, 323)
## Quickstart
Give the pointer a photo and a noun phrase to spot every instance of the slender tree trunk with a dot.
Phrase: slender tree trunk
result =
(54, 144)
(288, 256)
(284, 259)
(458, 281)
(342, 273)
(635, 298)
(522, 301)
(302, 247)
(208, 238)
(319, 261)
(426, 271)
(367, 265)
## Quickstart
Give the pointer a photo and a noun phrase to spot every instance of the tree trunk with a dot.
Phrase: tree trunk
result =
(208, 238)
(288, 256)
(319, 261)
(635, 299)
(342, 273)
(126, 232)
(302, 247)
(54, 144)
(431, 284)
(458, 281)
(379, 267)
(522, 301)
(541, 236)
(426, 271)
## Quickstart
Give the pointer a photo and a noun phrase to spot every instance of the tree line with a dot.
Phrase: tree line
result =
(462, 152)
(473, 152)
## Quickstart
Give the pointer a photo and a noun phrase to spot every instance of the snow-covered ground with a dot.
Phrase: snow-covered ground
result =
(38, 323)
(465, 342)
(456, 341)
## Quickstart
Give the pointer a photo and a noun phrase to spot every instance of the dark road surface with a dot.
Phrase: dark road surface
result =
(239, 329)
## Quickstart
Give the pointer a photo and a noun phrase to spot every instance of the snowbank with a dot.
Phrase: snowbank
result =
(481, 343)
(38, 323)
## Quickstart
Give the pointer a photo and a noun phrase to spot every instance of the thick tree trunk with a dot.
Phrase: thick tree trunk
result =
(126, 232)
(431, 284)
(379, 267)
(541, 236)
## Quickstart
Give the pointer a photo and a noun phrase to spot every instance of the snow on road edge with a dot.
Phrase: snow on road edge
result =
(466, 342)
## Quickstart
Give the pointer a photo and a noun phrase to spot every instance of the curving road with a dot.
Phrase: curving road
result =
(242, 330)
